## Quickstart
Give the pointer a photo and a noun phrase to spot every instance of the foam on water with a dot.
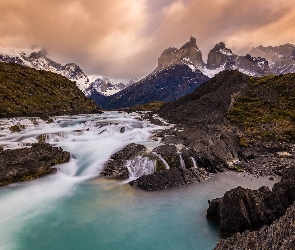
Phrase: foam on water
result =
(91, 140)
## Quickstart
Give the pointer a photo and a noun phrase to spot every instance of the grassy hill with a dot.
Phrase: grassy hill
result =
(28, 92)
(267, 110)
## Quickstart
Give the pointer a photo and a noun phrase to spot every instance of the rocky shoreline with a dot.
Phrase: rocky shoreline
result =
(29, 163)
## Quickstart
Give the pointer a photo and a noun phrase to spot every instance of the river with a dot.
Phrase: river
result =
(74, 209)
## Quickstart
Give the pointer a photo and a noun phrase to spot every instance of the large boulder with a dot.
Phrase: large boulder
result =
(115, 167)
(29, 163)
(241, 209)
(280, 235)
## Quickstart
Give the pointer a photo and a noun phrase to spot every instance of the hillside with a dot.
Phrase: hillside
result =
(237, 121)
(28, 92)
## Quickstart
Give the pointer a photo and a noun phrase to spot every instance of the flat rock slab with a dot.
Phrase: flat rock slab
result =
(173, 177)
(29, 163)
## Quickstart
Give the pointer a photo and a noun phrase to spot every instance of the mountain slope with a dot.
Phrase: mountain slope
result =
(38, 59)
(166, 85)
(236, 120)
(28, 92)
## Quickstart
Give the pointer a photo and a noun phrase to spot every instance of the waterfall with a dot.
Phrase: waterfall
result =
(182, 163)
(140, 166)
(194, 162)
(163, 160)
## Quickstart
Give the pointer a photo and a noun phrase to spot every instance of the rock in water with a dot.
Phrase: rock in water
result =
(116, 167)
(280, 236)
(241, 209)
(29, 163)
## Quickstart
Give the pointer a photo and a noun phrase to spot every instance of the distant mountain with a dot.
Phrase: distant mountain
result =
(180, 71)
(165, 85)
(281, 58)
(38, 59)
(221, 58)
(26, 91)
(104, 86)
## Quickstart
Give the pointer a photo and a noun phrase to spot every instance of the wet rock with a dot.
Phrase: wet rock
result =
(241, 209)
(173, 177)
(279, 235)
(170, 155)
(29, 163)
(122, 130)
(115, 168)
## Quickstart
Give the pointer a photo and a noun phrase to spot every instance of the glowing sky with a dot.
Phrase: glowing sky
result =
(122, 39)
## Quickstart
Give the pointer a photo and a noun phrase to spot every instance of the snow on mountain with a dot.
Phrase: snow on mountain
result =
(38, 58)
(281, 59)
(104, 86)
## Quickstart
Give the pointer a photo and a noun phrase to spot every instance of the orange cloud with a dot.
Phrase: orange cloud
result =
(123, 38)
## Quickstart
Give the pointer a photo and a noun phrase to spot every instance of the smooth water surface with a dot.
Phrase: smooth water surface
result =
(74, 209)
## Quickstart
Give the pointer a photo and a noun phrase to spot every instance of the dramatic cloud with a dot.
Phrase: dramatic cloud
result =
(122, 39)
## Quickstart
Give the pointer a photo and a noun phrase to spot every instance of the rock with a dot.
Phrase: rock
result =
(241, 209)
(280, 235)
(173, 177)
(115, 168)
(29, 163)
(170, 155)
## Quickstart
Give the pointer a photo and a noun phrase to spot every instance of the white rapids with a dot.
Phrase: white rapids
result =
(91, 140)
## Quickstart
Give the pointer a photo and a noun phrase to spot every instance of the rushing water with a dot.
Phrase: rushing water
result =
(75, 210)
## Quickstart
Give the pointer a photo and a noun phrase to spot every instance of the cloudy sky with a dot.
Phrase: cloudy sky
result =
(122, 39)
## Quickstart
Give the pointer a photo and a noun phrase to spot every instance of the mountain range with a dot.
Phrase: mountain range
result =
(180, 71)
(38, 58)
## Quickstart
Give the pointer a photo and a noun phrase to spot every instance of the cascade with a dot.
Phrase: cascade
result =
(140, 166)
(163, 160)
(194, 162)
(182, 163)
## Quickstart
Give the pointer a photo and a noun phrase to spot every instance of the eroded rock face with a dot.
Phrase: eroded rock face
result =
(30, 163)
(115, 168)
(173, 177)
(241, 209)
(280, 236)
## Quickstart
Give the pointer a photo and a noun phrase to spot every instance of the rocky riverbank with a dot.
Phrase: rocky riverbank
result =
(30, 163)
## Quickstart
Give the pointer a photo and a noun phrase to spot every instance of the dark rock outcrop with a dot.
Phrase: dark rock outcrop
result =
(115, 167)
(169, 178)
(29, 163)
(241, 209)
(280, 235)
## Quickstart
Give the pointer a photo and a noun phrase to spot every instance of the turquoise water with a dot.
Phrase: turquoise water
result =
(80, 211)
